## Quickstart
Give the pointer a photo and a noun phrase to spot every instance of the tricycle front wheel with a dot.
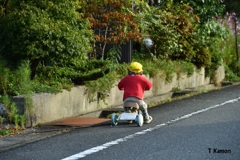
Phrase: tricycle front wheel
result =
(139, 120)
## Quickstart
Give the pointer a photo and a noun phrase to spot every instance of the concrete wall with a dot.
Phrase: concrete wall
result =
(49, 107)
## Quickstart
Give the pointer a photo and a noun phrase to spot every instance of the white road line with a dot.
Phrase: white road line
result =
(120, 140)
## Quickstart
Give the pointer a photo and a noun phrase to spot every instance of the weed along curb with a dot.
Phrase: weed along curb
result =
(49, 107)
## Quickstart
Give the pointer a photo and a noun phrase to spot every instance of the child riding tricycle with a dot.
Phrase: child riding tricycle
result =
(133, 85)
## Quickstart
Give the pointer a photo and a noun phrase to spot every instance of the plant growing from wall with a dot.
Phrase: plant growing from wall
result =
(20, 121)
(29, 113)
(17, 82)
(1, 121)
(10, 107)
(102, 86)
(5, 132)
(25, 88)
(16, 121)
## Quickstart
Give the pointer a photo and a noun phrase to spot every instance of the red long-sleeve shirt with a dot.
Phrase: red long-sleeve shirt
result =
(134, 86)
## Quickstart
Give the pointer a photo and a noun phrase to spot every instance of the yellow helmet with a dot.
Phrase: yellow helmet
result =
(135, 67)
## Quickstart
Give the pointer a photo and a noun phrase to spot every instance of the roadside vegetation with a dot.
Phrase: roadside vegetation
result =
(50, 45)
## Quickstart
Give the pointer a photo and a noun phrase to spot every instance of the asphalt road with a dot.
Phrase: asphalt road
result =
(202, 127)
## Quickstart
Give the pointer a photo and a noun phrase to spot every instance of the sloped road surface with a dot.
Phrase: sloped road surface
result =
(202, 127)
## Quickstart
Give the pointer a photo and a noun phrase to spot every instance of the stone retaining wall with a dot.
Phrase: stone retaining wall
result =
(50, 107)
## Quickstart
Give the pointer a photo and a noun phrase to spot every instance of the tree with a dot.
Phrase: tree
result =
(205, 9)
(112, 23)
(171, 28)
(48, 32)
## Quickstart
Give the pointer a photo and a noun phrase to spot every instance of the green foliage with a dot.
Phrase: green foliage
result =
(12, 111)
(47, 29)
(5, 132)
(202, 57)
(178, 35)
(20, 121)
(151, 67)
(229, 50)
(44, 32)
(4, 78)
(165, 68)
(205, 9)
(229, 58)
(230, 75)
(6, 100)
(208, 45)
(28, 111)
(15, 81)
(21, 79)
(1, 121)
(171, 28)
(176, 89)
(99, 88)
(39, 87)
(184, 67)
(114, 54)
(102, 85)
(10, 107)
(77, 74)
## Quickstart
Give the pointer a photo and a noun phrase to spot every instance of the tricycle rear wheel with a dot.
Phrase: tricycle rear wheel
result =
(114, 119)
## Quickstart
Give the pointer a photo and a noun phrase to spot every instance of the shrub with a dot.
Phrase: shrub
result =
(44, 32)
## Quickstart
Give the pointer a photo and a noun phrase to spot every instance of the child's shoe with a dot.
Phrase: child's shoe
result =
(148, 120)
